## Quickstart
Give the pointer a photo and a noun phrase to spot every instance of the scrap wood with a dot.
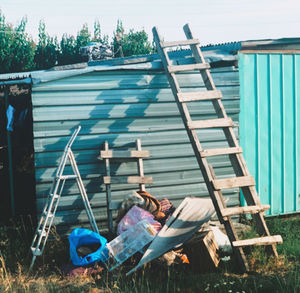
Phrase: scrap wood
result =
(191, 214)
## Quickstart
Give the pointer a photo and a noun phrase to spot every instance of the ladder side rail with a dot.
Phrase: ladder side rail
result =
(108, 192)
(83, 192)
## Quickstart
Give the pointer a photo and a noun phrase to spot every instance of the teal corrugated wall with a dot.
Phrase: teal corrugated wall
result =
(121, 106)
(269, 126)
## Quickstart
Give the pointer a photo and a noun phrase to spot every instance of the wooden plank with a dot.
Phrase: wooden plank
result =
(220, 151)
(244, 210)
(188, 67)
(126, 179)
(179, 43)
(233, 182)
(210, 123)
(199, 96)
(124, 154)
(140, 164)
(268, 240)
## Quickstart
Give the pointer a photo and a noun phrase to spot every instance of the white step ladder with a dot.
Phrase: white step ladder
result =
(48, 214)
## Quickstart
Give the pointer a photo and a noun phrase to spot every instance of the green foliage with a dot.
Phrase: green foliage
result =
(98, 34)
(68, 50)
(47, 50)
(132, 43)
(16, 48)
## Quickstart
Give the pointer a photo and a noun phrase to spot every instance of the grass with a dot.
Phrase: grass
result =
(266, 274)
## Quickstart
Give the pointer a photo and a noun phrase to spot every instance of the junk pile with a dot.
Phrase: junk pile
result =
(152, 229)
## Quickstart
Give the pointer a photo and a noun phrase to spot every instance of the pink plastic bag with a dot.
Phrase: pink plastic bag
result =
(135, 215)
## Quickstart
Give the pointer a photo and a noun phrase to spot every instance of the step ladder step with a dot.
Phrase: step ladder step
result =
(43, 233)
(244, 210)
(210, 123)
(188, 67)
(179, 43)
(220, 151)
(123, 154)
(36, 251)
(64, 177)
(199, 96)
(125, 179)
(267, 240)
(233, 182)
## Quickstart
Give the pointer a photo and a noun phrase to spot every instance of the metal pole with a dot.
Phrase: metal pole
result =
(10, 160)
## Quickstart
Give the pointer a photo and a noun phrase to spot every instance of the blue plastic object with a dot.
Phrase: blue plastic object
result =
(80, 237)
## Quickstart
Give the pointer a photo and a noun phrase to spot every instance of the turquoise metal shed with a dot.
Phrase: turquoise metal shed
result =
(269, 125)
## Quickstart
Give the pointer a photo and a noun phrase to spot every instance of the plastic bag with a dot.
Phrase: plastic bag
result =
(84, 237)
(135, 215)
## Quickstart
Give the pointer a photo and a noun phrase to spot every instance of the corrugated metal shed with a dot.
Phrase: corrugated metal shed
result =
(120, 104)
(270, 126)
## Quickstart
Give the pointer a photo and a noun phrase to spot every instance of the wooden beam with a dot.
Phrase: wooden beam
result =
(233, 182)
(179, 43)
(244, 210)
(220, 151)
(126, 179)
(211, 123)
(199, 96)
(124, 154)
(268, 240)
(188, 67)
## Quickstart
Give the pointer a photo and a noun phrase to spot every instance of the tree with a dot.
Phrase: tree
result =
(47, 50)
(98, 34)
(16, 48)
(133, 43)
(68, 50)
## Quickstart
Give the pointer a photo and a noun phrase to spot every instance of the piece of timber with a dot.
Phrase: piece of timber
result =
(210, 123)
(221, 151)
(126, 179)
(179, 43)
(268, 240)
(124, 154)
(244, 210)
(188, 67)
(233, 182)
(199, 96)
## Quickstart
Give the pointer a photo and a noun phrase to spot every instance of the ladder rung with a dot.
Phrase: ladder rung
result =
(220, 151)
(125, 179)
(63, 177)
(188, 67)
(211, 123)
(42, 232)
(233, 182)
(50, 215)
(179, 43)
(244, 210)
(124, 154)
(199, 96)
(267, 240)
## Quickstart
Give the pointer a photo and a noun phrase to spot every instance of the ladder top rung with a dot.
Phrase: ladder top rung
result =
(188, 67)
(180, 43)
(211, 123)
(220, 151)
(244, 210)
(241, 181)
(110, 154)
(267, 240)
(127, 179)
(199, 96)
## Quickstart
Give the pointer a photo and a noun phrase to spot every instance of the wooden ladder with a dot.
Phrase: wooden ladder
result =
(137, 155)
(215, 186)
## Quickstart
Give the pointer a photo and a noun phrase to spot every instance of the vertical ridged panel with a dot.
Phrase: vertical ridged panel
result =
(269, 126)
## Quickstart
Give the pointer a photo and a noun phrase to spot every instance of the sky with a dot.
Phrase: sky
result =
(212, 21)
